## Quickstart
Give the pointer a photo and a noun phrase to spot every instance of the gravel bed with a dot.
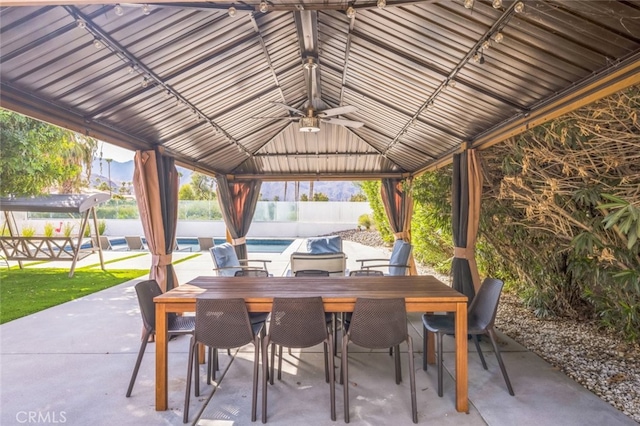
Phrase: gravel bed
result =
(598, 360)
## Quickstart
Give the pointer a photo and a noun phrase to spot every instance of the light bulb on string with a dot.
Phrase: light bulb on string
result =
(486, 44)
(81, 24)
(146, 9)
(497, 4)
(498, 38)
(468, 4)
(264, 6)
(118, 10)
(519, 7)
(381, 4)
(351, 12)
(232, 11)
(98, 44)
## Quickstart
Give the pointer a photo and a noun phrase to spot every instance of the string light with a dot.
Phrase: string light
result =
(381, 4)
(497, 4)
(146, 9)
(97, 44)
(498, 38)
(144, 83)
(118, 10)
(351, 12)
(81, 24)
(486, 44)
(232, 11)
(468, 4)
(264, 6)
(519, 7)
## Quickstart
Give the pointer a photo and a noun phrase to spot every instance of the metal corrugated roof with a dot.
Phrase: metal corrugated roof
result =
(410, 69)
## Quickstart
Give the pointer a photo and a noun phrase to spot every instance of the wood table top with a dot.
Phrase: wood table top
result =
(337, 289)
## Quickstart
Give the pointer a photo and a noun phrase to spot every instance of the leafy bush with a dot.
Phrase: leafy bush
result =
(372, 191)
(28, 231)
(49, 229)
(364, 220)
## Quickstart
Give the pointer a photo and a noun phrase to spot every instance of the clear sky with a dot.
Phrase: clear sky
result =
(118, 154)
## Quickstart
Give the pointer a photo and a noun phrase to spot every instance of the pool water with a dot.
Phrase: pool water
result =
(254, 245)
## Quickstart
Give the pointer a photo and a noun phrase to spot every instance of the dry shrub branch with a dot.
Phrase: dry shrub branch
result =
(561, 208)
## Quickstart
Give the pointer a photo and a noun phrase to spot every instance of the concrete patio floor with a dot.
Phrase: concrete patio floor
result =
(71, 364)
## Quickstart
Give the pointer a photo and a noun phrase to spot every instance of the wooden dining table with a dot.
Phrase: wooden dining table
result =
(423, 293)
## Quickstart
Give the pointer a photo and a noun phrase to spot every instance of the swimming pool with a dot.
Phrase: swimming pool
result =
(254, 245)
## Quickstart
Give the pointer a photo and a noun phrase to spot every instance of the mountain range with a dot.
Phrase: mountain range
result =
(118, 173)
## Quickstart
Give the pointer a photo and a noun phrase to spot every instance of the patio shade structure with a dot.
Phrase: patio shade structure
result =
(238, 201)
(54, 248)
(427, 78)
(465, 205)
(155, 182)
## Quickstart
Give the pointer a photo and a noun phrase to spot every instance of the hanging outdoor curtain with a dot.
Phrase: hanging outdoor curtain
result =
(238, 200)
(465, 205)
(155, 183)
(398, 204)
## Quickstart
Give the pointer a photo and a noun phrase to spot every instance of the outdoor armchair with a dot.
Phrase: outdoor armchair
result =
(481, 316)
(227, 263)
(397, 264)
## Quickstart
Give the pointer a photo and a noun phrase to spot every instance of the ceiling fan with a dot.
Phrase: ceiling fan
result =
(310, 118)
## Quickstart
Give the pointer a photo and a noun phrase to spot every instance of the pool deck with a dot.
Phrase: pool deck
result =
(71, 364)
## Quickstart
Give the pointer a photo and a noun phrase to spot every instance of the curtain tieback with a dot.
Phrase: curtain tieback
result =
(464, 252)
(161, 259)
(400, 235)
(239, 241)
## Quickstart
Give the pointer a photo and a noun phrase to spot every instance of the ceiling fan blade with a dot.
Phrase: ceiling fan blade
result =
(347, 109)
(343, 122)
(275, 118)
(297, 111)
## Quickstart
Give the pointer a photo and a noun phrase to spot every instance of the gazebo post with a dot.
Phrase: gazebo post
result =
(96, 237)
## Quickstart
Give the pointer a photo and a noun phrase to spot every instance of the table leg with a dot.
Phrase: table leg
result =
(161, 357)
(462, 399)
(431, 348)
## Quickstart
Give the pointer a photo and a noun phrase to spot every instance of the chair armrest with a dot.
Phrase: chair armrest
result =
(384, 265)
(362, 261)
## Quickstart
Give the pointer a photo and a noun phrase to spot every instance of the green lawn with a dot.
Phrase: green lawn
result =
(26, 291)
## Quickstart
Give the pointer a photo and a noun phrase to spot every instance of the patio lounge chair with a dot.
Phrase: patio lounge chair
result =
(205, 243)
(178, 248)
(226, 261)
(134, 243)
(105, 244)
(397, 264)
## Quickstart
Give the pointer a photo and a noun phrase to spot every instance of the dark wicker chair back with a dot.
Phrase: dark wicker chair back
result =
(379, 324)
(366, 273)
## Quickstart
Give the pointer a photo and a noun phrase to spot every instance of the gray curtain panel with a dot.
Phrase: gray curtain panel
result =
(238, 200)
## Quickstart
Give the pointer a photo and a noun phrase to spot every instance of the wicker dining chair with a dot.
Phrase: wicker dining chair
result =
(223, 324)
(379, 324)
(177, 325)
(330, 317)
(255, 317)
(297, 323)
